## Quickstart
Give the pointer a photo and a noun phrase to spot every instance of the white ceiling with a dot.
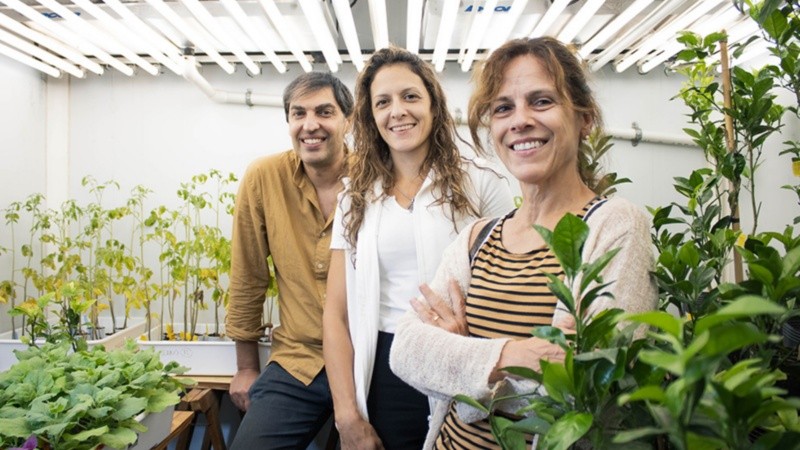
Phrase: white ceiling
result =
(81, 36)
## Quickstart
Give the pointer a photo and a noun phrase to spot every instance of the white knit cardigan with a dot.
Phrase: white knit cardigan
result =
(443, 364)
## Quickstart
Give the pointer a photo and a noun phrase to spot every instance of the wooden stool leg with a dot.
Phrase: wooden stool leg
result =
(204, 400)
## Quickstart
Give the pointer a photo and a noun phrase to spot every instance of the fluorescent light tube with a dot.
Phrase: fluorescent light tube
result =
(716, 23)
(446, 26)
(613, 27)
(27, 60)
(52, 44)
(116, 25)
(634, 33)
(413, 25)
(476, 33)
(67, 35)
(319, 28)
(34, 51)
(285, 33)
(205, 18)
(193, 35)
(517, 8)
(661, 36)
(579, 20)
(380, 25)
(145, 32)
(549, 17)
(348, 29)
(256, 34)
(93, 34)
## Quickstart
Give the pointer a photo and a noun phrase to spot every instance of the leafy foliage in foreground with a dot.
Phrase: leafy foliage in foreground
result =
(79, 400)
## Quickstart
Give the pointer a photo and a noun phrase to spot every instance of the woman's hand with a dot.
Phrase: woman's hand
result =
(434, 311)
(358, 434)
(526, 353)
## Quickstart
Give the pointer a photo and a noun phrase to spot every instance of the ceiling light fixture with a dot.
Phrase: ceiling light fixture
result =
(211, 24)
(666, 33)
(92, 33)
(254, 32)
(613, 27)
(672, 47)
(348, 28)
(191, 34)
(37, 52)
(413, 25)
(634, 33)
(477, 33)
(122, 31)
(549, 17)
(146, 33)
(513, 15)
(27, 60)
(67, 35)
(312, 9)
(52, 44)
(380, 26)
(446, 26)
(282, 27)
(579, 20)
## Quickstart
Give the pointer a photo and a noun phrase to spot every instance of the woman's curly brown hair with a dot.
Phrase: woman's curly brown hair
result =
(564, 68)
(371, 161)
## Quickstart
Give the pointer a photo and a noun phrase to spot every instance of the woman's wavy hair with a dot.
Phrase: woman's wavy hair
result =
(371, 161)
(564, 68)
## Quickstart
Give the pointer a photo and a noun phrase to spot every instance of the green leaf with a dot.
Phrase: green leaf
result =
(593, 269)
(667, 361)
(551, 334)
(502, 431)
(471, 402)
(745, 306)
(646, 393)
(731, 336)
(567, 430)
(531, 425)
(97, 432)
(624, 437)
(567, 239)
(129, 407)
(523, 372)
(661, 319)
(556, 380)
(119, 438)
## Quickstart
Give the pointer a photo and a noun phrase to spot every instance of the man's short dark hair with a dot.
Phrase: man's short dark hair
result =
(314, 81)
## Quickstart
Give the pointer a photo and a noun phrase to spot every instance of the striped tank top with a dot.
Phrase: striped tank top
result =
(507, 297)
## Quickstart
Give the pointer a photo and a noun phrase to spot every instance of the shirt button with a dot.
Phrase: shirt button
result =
(323, 234)
(319, 265)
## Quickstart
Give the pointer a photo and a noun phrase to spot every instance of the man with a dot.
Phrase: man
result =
(285, 208)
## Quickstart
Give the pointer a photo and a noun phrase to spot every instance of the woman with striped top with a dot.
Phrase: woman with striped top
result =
(533, 96)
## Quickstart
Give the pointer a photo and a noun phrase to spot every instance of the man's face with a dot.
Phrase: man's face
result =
(317, 126)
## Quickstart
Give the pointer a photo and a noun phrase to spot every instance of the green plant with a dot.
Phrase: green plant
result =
(595, 147)
(83, 399)
(581, 405)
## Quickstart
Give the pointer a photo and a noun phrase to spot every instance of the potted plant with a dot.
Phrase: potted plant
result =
(85, 399)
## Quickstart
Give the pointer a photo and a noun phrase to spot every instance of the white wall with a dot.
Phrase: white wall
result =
(159, 131)
(22, 148)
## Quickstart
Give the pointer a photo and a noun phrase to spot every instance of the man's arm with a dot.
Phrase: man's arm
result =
(248, 283)
(248, 368)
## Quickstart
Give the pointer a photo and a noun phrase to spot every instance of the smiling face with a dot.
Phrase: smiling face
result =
(317, 127)
(535, 134)
(401, 107)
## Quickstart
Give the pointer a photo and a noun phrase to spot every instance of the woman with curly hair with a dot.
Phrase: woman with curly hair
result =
(408, 195)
